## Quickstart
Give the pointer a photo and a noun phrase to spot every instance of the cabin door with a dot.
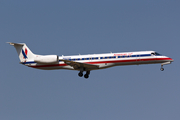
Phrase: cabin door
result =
(138, 58)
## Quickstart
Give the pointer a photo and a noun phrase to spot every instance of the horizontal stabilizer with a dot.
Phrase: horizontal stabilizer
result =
(16, 43)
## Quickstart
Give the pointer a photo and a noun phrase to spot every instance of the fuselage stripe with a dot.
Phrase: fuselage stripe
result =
(105, 57)
(103, 62)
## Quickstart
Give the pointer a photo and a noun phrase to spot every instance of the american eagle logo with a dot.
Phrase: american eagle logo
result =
(25, 53)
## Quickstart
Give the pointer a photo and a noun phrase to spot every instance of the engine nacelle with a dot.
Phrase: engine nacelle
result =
(47, 59)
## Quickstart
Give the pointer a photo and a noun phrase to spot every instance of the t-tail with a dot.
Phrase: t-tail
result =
(23, 51)
(25, 55)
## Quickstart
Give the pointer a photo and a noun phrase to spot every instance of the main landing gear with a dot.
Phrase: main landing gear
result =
(85, 76)
(80, 74)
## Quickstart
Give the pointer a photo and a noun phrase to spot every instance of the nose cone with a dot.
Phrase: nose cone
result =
(171, 60)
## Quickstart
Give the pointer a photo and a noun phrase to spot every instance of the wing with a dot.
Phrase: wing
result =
(78, 65)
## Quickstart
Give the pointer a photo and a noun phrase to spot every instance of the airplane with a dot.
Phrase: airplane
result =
(89, 62)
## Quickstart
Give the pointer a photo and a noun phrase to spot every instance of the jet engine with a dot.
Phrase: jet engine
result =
(47, 59)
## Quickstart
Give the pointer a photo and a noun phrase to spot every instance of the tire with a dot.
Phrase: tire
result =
(80, 74)
(162, 69)
(86, 76)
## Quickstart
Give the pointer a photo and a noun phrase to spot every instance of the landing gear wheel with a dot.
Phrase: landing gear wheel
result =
(86, 76)
(80, 74)
(162, 69)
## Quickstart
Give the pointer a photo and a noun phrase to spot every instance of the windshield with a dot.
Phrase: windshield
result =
(157, 53)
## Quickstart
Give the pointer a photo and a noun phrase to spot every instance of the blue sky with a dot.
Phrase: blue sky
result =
(86, 27)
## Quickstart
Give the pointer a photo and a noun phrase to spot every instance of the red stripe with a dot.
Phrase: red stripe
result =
(26, 51)
(101, 62)
(55, 65)
(164, 59)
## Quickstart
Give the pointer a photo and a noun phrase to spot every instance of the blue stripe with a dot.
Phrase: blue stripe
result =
(145, 55)
(24, 54)
(109, 57)
(29, 62)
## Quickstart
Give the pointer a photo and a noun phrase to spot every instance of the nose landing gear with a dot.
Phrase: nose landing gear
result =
(162, 69)
(165, 63)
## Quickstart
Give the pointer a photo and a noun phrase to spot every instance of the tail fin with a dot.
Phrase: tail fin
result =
(23, 51)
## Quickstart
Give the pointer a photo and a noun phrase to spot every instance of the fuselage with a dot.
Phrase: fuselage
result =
(89, 62)
(105, 60)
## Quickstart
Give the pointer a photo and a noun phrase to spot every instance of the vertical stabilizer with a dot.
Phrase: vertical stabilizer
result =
(23, 51)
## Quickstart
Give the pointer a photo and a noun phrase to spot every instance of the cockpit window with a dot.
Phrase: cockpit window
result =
(152, 53)
(157, 53)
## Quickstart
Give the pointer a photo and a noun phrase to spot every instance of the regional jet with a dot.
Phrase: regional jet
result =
(87, 63)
